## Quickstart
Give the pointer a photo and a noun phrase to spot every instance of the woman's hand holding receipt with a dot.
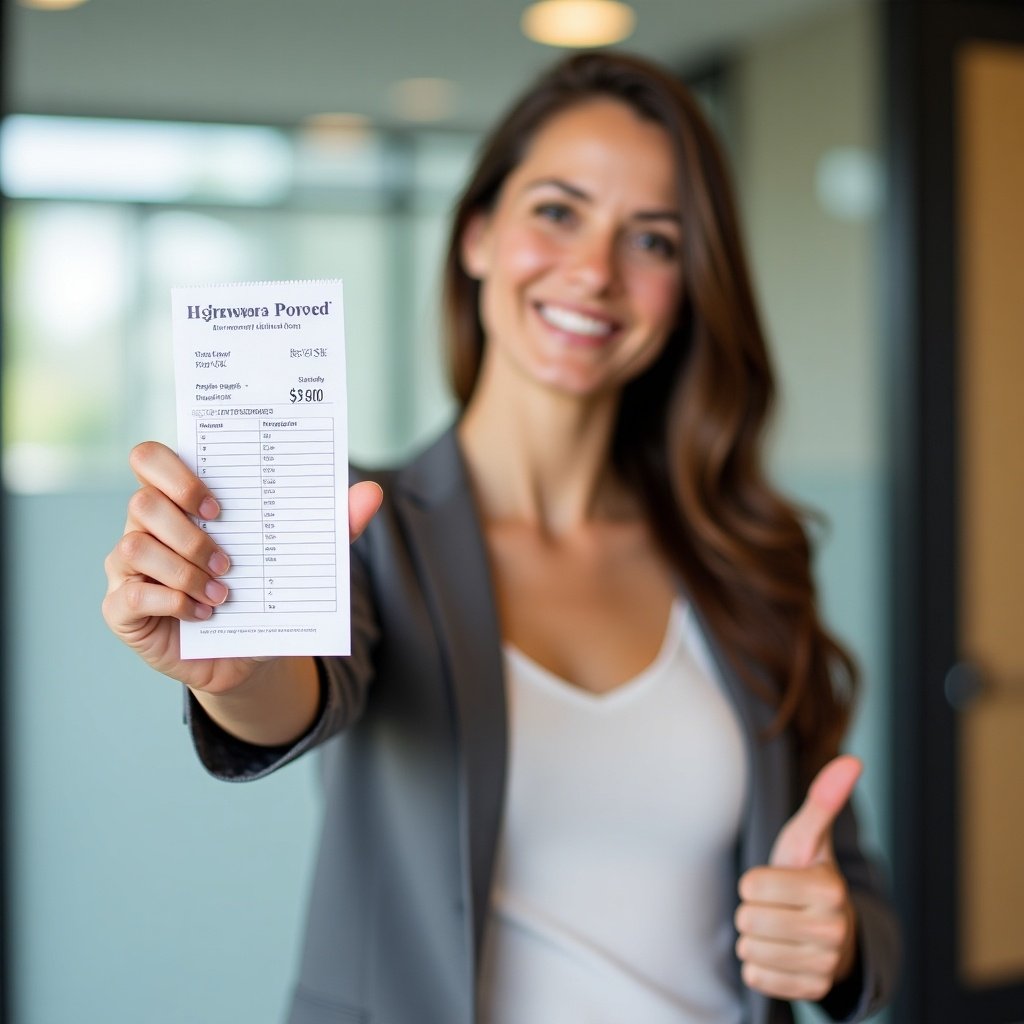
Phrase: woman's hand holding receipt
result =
(165, 569)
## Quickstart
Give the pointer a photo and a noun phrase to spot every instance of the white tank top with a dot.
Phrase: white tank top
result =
(615, 883)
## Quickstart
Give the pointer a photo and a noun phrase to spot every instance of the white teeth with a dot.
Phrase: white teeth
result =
(577, 323)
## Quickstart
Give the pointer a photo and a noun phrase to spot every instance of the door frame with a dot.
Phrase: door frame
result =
(922, 41)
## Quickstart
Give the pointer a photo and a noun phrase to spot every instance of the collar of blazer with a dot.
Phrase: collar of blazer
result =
(434, 500)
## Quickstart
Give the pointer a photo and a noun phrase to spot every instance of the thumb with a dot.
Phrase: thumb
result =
(806, 838)
(364, 499)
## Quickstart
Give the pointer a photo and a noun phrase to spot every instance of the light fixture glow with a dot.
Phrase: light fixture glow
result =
(578, 22)
(848, 182)
(327, 142)
(423, 99)
(337, 122)
(335, 130)
(51, 5)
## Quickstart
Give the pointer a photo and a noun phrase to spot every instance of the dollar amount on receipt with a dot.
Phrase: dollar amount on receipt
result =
(309, 395)
(276, 460)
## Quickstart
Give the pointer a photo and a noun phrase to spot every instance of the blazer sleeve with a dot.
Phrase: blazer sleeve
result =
(344, 682)
(873, 981)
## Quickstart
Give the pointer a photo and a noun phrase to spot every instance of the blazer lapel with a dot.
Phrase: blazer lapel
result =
(769, 781)
(447, 543)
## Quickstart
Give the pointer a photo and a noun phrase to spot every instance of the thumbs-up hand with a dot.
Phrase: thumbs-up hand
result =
(796, 923)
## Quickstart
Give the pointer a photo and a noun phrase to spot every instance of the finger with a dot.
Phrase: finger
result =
(135, 604)
(783, 985)
(784, 924)
(139, 554)
(807, 837)
(364, 499)
(788, 957)
(819, 888)
(156, 465)
(151, 511)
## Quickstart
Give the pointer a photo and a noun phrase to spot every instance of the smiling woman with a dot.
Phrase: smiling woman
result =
(578, 260)
(595, 532)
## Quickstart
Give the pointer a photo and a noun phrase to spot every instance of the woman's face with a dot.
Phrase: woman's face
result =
(579, 259)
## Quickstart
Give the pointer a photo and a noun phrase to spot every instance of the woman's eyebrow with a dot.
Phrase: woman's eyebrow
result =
(672, 215)
(560, 183)
(578, 193)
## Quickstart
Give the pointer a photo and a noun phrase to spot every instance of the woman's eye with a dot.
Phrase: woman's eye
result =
(656, 244)
(557, 213)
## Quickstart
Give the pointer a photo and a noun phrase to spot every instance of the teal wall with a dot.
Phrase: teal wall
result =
(143, 890)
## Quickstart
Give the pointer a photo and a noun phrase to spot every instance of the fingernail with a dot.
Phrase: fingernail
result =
(208, 508)
(219, 563)
(203, 611)
(216, 591)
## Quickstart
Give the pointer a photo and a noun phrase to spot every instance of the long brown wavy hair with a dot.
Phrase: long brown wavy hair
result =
(689, 432)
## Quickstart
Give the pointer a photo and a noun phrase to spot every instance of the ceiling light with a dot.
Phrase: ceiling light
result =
(51, 5)
(578, 22)
(336, 122)
(423, 99)
(335, 130)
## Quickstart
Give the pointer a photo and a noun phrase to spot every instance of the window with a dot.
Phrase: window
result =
(104, 217)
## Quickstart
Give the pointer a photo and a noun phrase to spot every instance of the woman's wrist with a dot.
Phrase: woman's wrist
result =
(275, 707)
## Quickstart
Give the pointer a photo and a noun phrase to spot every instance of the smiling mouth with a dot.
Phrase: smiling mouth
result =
(575, 323)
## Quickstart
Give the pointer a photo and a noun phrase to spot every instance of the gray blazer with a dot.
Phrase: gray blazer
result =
(413, 735)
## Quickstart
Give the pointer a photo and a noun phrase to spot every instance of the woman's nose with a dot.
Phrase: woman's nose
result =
(593, 262)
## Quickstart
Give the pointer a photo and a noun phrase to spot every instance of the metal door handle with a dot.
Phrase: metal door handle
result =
(964, 684)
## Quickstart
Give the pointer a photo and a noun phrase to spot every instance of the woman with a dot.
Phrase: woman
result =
(589, 684)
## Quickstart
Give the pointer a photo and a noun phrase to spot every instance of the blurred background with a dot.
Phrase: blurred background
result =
(148, 145)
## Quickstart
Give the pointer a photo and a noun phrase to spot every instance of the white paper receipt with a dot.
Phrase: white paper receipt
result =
(260, 385)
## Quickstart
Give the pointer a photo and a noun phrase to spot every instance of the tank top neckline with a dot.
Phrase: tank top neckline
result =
(554, 683)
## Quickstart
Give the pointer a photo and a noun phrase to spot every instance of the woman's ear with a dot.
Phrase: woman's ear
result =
(474, 245)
